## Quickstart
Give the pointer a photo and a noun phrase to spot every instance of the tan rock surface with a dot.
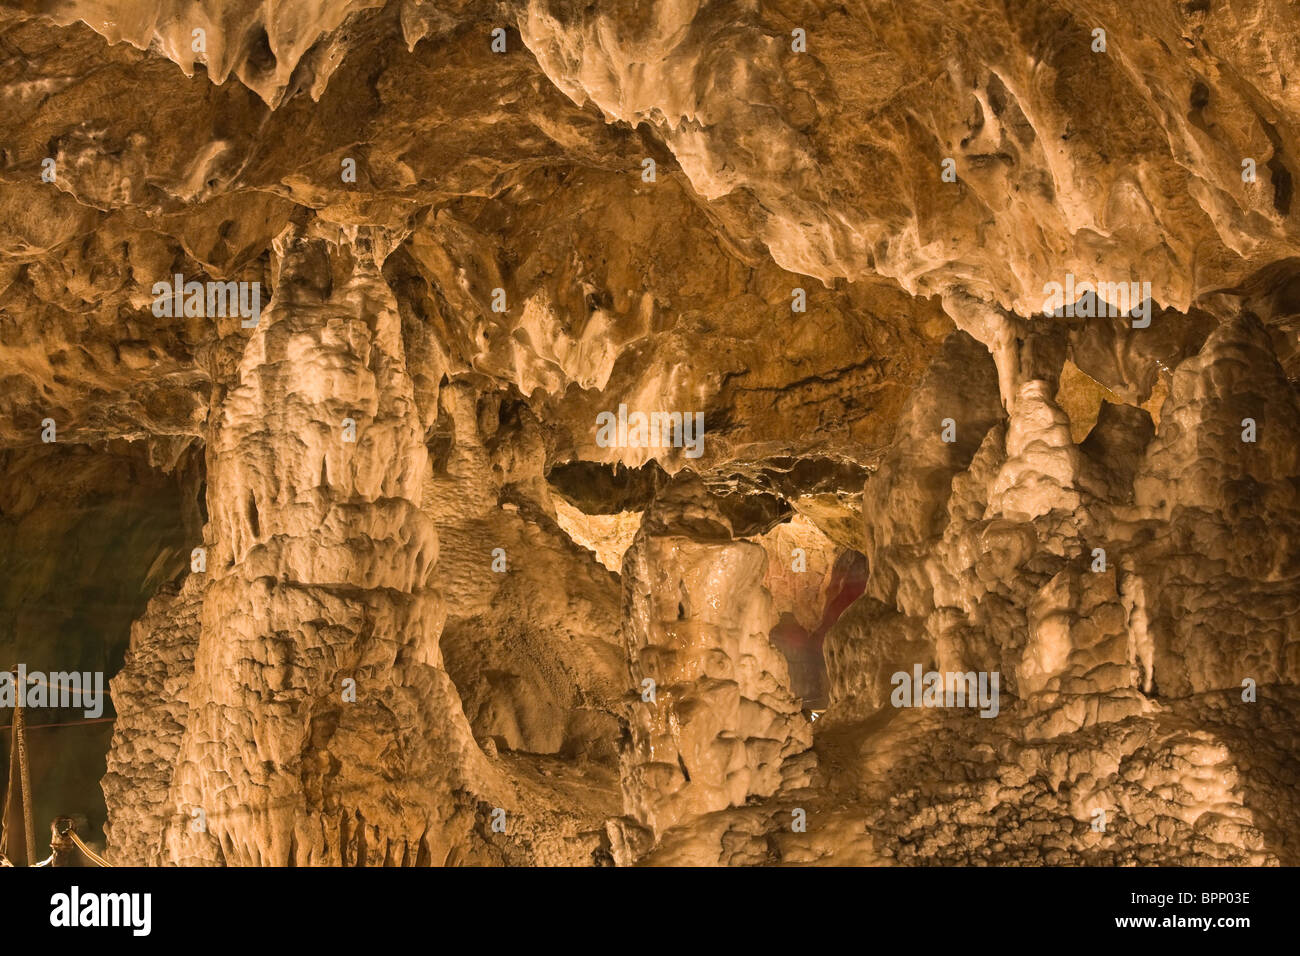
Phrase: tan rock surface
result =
(433, 585)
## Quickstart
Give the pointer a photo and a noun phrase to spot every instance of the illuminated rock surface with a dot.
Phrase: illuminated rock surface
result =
(432, 589)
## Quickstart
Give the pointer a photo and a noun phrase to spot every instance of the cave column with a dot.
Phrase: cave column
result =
(322, 727)
(721, 724)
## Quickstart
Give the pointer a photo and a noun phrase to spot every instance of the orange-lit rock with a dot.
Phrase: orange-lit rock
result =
(430, 589)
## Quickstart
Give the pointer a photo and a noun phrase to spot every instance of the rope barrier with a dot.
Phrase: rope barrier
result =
(69, 723)
(90, 854)
(59, 687)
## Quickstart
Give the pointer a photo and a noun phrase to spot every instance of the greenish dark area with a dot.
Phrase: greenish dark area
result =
(87, 536)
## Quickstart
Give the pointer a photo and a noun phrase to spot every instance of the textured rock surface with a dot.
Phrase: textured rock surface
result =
(717, 723)
(432, 586)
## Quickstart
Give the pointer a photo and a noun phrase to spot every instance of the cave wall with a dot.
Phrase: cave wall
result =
(432, 589)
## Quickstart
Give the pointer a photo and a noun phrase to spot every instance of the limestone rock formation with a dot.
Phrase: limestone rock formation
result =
(716, 722)
(534, 432)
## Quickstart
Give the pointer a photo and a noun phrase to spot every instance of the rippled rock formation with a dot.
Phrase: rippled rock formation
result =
(545, 433)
